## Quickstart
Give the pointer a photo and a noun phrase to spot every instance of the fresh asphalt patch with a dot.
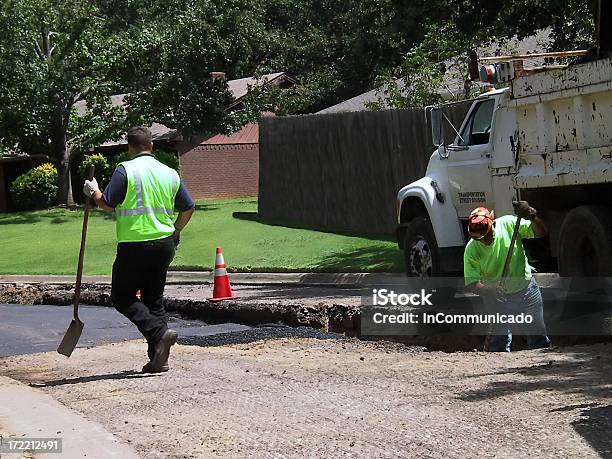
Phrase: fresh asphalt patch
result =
(260, 333)
(28, 329)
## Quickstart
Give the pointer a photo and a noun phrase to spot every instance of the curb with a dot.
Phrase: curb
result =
(30, 413)
(545, 280)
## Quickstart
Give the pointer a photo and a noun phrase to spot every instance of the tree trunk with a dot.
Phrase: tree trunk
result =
(61, 151)
(58, 127)
(65, 180)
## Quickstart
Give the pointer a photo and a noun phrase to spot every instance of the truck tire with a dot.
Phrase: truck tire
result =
(421, 249)
(585, 242)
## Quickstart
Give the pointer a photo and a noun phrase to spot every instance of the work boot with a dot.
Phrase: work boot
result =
(159, 362)
(150, 350)
(151, 353)
(148, 368)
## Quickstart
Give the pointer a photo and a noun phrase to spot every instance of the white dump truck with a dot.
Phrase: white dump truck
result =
(546, 138)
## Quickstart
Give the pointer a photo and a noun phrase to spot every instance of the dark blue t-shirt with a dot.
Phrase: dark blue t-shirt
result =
(115, 191)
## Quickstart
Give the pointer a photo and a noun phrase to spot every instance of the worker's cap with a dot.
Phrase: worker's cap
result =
(480, 222)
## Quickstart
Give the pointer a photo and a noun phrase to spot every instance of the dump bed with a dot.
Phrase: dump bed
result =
(564, 125)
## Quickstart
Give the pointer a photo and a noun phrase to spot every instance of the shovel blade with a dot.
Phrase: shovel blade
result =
(71, 338)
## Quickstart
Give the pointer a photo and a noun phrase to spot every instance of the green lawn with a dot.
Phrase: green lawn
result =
(47, 242)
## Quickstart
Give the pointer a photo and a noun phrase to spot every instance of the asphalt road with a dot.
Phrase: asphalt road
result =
(32, 329)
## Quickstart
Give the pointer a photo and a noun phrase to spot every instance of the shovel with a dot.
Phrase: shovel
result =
(504, 276)
(71, 338)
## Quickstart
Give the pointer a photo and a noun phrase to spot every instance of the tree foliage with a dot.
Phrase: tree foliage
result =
(58, 53)
(469, 25)
(55, 53)
(571, 21)
(336, 47)
(418, 80)
(102, 168)
(169, 158)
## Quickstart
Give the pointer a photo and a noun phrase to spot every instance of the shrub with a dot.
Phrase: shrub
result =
(168, 158)
(103, 169)
(36, 189)
(118, 159)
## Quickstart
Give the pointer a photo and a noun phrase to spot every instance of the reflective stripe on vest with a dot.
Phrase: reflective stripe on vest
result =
(143, 211)
(140, 217)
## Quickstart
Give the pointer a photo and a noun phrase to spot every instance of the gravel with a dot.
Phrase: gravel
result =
(278, 392)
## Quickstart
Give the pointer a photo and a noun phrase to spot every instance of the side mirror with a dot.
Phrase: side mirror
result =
(437, 126)
(443, 151)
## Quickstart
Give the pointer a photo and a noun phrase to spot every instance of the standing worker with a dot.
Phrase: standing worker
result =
(483, 264)
(144, 193)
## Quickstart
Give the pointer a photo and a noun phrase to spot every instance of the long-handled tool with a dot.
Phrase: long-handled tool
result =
(504, 275)
(71, 338)
(517, 226)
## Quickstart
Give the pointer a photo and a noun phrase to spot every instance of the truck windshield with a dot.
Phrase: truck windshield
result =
(478, 127)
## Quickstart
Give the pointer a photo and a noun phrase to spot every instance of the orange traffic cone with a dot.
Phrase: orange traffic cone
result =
(222, 289)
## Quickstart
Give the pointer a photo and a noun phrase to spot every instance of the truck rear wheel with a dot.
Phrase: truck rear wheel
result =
(585, 242)
(421, 249)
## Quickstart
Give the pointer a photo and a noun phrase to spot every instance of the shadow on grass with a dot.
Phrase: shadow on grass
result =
(20, 218)
(374, 259)
(58, 220)
(255, 217)
(55, 216)
(205, 207)
(369, 259)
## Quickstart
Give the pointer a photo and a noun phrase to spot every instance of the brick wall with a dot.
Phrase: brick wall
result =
(221, 171)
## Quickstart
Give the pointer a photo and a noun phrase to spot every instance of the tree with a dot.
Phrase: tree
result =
(336, 47)
(473, 25)
(571, 21)
(419, 79)
(55, 53)
(48, 61)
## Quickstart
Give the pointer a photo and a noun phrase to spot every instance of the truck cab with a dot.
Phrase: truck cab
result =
(546, 138)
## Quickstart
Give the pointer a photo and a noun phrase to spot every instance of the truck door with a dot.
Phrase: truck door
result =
(469, 161)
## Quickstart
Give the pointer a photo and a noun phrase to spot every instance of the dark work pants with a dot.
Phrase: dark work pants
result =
(142, 266)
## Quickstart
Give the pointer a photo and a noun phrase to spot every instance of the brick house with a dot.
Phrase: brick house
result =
(213, 166)
(224, 166)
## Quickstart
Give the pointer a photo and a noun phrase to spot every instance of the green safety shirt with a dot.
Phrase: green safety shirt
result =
(147, 212)
(485, 263)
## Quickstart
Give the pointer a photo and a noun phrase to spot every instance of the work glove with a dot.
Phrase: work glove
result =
(177, 238)
(524, 210)
(90, 187)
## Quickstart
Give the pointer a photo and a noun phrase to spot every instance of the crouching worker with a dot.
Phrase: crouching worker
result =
(483, 264)
(144, 193)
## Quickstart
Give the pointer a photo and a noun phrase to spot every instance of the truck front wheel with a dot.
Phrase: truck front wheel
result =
(421, 250)
(585, 242)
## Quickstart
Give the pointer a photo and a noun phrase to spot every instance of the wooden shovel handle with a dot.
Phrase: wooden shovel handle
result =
(504, 275)
(77, 288)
